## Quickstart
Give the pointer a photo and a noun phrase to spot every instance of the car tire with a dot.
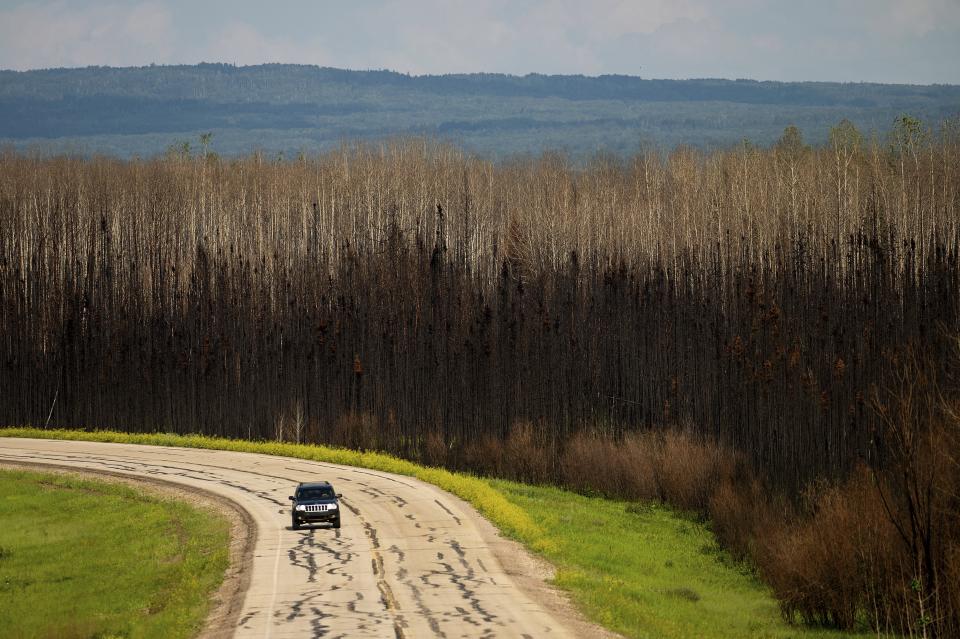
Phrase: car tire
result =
(336, 523)
(295, 524)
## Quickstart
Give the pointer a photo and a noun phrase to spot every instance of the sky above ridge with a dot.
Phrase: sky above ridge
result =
(908, 41)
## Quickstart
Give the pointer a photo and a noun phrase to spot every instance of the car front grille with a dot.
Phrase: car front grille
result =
(317, 508)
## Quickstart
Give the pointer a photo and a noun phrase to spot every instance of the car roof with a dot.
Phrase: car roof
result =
(314, 484)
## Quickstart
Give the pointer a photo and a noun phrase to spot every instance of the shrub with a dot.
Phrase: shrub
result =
(818, 565)
(526, 456)
(600, 465)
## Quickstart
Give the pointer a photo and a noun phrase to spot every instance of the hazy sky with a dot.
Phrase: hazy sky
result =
(870, 40)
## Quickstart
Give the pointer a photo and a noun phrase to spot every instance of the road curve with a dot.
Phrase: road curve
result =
(409, 561)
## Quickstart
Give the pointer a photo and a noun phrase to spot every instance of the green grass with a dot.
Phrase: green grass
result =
(81, 558)
(643, 570)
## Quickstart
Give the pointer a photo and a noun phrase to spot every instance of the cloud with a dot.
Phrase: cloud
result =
(241, 43)
(58, 34)
(550, 36)
(916, 18)
(878, 40)
(606, 19)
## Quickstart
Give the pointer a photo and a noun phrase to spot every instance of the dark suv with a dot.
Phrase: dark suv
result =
(315, 502)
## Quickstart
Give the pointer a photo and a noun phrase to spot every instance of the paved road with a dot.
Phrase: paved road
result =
(409, 561)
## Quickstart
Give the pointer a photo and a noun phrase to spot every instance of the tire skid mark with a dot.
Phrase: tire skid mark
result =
(386, 593)
(140, 464)
(416, 524)
(460, 581)
(262, 494)
(246, 619)
(144, 468)
(152, 468)
(355, 470)
(204, 475)
(341, 565)
(302, 556)
(319, 612)
(376, 493)
(352, 605)
(421, 606)
(317, 618)
(449, 512)
(350, 507)
(399, 553)
(277, 478)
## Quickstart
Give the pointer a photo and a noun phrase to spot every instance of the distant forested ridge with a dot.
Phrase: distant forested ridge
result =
(293, 108)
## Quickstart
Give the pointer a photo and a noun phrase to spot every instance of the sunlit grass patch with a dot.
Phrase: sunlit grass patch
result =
(81, 558)
(645, 570)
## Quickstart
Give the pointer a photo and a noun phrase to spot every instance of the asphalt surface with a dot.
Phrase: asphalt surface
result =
(410, 560)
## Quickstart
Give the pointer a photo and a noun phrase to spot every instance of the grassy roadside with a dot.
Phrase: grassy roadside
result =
(641, 570)
(645, 570)
(82, 558)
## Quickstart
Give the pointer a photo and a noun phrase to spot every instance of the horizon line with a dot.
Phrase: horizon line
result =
(532, 74)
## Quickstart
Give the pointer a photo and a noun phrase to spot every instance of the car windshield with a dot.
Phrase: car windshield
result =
(315, 493)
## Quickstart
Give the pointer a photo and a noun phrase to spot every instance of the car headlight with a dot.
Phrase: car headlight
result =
(301, 507)
(331, 507)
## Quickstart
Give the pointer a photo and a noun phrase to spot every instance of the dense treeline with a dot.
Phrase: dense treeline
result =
(499, 318)
(105, 115)
(280, 83)
(290, 108)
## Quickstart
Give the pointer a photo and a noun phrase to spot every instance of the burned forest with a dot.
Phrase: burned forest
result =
(687, 325)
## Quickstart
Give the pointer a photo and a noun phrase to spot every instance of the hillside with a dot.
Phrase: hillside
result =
(293, 108)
